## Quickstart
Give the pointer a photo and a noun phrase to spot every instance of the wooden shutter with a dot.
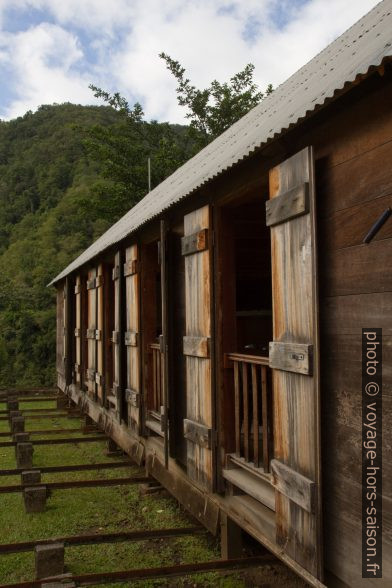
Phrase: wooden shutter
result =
(68, 339)
(91, 332)
(115, 400)
(99, 332)
(196, 346)
(78, 331)
(131, 337)
(294, 360)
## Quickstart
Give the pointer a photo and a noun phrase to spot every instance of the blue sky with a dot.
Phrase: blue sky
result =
(51, 50)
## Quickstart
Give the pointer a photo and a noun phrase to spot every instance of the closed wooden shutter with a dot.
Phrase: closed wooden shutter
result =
(196, 347)
(78, 331)
(131, 338)
(294, 360)
(115, 399)
(99, 285)
(91, 332)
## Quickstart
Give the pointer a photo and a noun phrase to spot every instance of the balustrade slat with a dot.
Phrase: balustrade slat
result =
(245, 399)
(159, 383)
(264, 407)
(255, 394)
(237, 409)
(154, 376)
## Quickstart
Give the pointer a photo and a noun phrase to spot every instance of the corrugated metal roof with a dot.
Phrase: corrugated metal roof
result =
(362, 46)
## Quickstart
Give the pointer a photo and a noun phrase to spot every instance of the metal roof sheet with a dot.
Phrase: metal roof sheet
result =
(362, 46)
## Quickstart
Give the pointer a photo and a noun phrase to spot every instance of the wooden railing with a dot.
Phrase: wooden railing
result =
(157, 373)
(253, 427)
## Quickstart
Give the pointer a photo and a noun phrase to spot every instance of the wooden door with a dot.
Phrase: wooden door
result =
(78, 331)
(91, 332)
(131, 338)
(99, 332)
(291, 214)
(198, 425)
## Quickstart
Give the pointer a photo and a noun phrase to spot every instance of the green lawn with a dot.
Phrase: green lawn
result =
(78, 511)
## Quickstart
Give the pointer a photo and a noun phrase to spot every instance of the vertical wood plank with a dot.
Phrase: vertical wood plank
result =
(198, 370)
(264, 409)
(132, 324)
(245, 400)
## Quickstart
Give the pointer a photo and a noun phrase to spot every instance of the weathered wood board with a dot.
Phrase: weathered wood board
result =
(198, 367)
(99, 332)
(296, 395)
(131, 339)
(91, 328)
(78, 333)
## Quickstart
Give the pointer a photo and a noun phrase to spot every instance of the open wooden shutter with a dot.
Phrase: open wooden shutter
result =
(64, 346)
(131, 338)
(196, 347)
(115, 399)
(67, 331)
(91, 332)
(290, 213)
(78, 331)
(60, 349)
(99, 333)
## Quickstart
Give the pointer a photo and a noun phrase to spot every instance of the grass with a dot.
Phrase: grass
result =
(78, 511)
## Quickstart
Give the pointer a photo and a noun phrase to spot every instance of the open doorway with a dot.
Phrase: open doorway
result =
(244, 294)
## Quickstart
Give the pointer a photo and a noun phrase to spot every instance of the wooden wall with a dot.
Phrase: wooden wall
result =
(353, 152)
(354, 186)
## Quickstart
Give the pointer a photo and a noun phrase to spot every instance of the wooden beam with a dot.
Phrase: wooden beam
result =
(295, 486)
(198, 433)
(287, 206)
(291, 357)
(196, 346)
(195, 242)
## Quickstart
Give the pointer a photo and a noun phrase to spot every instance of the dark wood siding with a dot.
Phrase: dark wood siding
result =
(354, 186)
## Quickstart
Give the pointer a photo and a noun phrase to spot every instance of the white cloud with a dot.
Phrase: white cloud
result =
(116, 44)
(41, 61)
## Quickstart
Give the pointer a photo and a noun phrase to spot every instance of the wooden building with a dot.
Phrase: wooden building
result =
(214, 332)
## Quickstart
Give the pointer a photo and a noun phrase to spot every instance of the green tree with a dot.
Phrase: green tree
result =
(122, 152)
(214, 109)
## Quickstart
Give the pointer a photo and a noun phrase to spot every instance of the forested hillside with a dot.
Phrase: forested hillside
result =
(67, 173)
(56, 197)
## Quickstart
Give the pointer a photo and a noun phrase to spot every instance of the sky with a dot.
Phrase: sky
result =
(51, 50)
